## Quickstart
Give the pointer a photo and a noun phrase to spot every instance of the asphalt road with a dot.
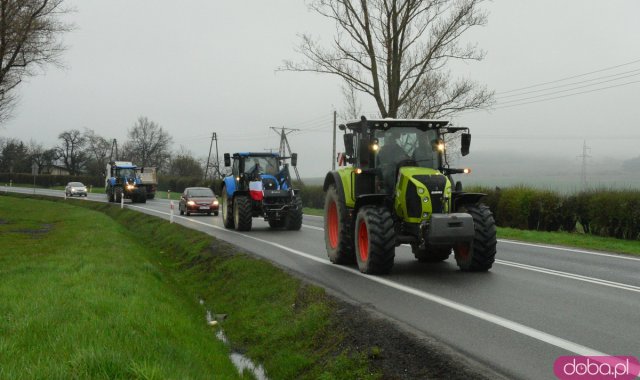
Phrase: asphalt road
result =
(537, 303)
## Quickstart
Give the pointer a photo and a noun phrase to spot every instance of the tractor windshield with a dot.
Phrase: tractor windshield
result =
(261, 165)
(403, 143)
(404, 146)
(126, 173)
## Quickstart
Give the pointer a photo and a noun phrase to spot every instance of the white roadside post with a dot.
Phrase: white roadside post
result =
(171, 213)
(122, 200)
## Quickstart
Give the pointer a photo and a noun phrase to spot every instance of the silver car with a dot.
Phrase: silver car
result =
(75, 188)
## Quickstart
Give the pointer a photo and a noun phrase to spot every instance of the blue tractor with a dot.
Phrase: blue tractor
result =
(123, 182)
(260, 186)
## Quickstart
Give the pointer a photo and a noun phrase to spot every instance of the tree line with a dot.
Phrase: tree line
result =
(87, 152)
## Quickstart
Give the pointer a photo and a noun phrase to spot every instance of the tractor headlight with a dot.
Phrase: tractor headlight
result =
(420, 190)
(440, 146)
(466, 171)
(426, 199)
(130, 187)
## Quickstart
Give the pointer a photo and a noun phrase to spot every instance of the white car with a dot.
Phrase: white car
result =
(75, 188)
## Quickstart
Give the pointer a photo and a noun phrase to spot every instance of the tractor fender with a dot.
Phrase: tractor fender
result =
(342, 179)
(461, 199)
(230, 185)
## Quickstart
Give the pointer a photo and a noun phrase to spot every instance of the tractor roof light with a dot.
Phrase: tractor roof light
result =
(466, 171)
(358, 171)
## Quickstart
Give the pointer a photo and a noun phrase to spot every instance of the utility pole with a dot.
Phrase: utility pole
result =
(216, 172)
(584, 156)
(333, 155)
(284, 146)
(114, 145)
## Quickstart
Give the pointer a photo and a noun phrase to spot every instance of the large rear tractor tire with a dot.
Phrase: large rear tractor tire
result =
(480, 255)
(375, 240)
(227, 210)
(142, 197)
(242, 215)
(430, 254)
(293, 220)
(338, 232)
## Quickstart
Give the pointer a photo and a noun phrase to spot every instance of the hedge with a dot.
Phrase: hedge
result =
(611, 213)
(48, 180)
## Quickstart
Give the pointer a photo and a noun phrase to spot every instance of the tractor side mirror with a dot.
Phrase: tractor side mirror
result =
(227, 159)
(348, 143)
(465, 143)
(294, 159)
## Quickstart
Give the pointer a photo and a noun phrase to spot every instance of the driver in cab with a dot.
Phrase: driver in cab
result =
(389, 155)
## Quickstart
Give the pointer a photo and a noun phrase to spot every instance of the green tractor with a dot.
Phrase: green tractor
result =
(398, 190)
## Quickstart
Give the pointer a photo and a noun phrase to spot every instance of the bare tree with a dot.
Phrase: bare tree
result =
(30, 32)
(352, 108)
(148, 144)
(184, 164)
(397, 52)
(42, 157)
(71, 150)
(98, 150)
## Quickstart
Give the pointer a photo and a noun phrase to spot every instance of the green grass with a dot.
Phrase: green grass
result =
(288, 326)
(572, 240)
(576, 240)
(313, 211)
(82, 299)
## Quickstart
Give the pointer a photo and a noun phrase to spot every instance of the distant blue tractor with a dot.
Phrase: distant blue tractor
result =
(123, 181)
(260, 186)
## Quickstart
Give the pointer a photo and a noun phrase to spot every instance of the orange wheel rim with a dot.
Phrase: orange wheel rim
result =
(363, 241)
(332, 225)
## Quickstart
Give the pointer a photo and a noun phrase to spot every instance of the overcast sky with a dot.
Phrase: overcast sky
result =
(197, 67)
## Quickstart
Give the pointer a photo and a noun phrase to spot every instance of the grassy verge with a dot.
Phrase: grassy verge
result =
(572, 240)
(82, 298)
(575, 240)
(288, 326)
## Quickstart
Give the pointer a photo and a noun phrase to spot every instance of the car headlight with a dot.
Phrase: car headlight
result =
(191, 203)
(215, 203)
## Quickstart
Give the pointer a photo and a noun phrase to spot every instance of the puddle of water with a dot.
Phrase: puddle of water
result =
(241, 362)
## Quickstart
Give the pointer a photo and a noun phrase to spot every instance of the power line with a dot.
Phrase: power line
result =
(571, 77)
(565, 96)
(573, 83)
(567, 90)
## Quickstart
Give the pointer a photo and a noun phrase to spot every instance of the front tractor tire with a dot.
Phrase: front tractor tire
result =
(375, 240)
(480, 255)
(117, 194)
(227, 210)
(242, 215)
(293, 220)
(338, 233)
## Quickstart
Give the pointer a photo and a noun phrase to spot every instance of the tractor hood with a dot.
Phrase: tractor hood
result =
(420, 192)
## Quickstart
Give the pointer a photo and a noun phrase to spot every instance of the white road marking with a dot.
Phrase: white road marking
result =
(485, 316)
(572, 276)
(569, 249)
